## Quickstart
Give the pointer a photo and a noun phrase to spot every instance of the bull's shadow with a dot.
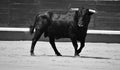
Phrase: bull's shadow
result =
(91, 57)
(94, 57)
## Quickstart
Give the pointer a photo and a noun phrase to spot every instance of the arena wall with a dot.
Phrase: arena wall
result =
(21, 13)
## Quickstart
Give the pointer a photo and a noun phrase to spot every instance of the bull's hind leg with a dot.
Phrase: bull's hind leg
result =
(75, 45)
(36, 37)
(52, 42)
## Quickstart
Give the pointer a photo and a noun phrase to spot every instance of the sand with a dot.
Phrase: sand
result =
(14, 55)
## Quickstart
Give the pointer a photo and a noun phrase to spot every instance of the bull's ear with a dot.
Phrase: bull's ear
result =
(49, 14)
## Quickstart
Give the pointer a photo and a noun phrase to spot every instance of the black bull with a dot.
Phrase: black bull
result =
(75, 29)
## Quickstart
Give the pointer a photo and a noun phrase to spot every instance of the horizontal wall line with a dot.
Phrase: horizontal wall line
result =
(14, 29)
(109, 32)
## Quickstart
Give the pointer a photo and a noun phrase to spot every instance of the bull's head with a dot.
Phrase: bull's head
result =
(82, 16)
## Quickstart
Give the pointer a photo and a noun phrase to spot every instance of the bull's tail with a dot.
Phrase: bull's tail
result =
(32, 27)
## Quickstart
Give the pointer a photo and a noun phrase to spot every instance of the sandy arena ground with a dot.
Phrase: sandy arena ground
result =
(14, 55)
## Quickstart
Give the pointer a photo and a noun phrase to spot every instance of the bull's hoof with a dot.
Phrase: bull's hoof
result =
(32, 54)
(77, 54)
(59, 54)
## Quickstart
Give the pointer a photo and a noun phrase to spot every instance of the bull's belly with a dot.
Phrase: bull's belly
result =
(58, 35)
(58, 30)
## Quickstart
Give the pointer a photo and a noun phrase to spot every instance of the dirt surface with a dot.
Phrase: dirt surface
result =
(14, 55)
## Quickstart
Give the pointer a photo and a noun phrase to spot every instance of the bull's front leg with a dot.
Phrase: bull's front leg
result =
(82, 44)
(52, 42)
(75, 45)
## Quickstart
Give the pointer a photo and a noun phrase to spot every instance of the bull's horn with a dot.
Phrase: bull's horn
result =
(93, 11)
(74, 9)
